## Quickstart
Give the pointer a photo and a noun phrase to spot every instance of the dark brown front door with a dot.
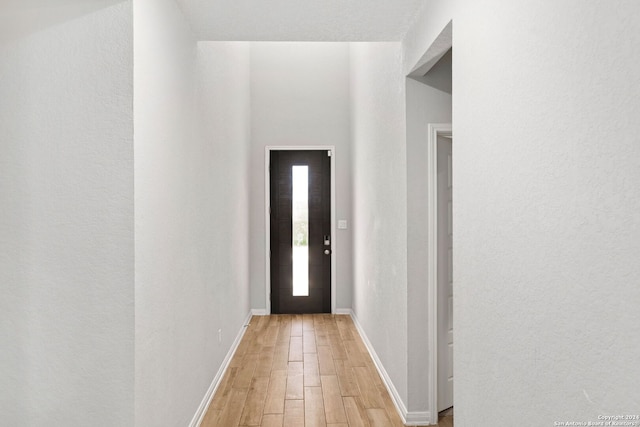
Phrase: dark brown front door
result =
(300, 231)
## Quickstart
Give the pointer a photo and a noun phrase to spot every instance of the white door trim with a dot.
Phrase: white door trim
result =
(434, 130)
(267, 199)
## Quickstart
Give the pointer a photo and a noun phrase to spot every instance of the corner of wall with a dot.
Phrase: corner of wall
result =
(426, 28)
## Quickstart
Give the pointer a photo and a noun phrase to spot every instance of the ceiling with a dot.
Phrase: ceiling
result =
(21, 17)
(300, 20)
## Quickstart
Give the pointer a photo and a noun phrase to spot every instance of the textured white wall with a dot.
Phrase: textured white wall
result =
(66, 221)
(191, 175)
(225, 120)
(546, 231)
(380, 202)
(300, 96)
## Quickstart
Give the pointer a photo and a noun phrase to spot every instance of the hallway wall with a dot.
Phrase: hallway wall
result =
(66, 218)
(300, 96)
(380, 203)
(191, 212)
(546, 224)
(224, 99)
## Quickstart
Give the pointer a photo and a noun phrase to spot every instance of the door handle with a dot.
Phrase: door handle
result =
(327, 251)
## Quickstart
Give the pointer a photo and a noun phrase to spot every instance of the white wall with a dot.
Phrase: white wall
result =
(380, 203)
(191, 172)
(546, 232)
(424, 104)
(66, 221)
(225, 119)
(300, 96)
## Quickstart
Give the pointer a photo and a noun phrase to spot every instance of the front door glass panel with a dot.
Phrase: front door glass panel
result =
(300, 232)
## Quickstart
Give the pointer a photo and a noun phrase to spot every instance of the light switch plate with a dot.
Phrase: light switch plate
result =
(342, 224)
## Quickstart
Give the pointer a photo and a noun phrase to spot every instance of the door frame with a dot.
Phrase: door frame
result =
(267, 200)
(434, 131)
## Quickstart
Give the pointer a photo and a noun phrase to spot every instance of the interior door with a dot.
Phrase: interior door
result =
(300, 203)
(445, 275)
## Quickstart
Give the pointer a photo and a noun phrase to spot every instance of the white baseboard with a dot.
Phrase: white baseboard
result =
(343, 311)
(259, 311)
(412, 418)
(418, 418)
(206, 401)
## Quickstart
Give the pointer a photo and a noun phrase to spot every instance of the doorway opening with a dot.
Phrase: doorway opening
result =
(300, 267)
(432, 115)
(440, 265)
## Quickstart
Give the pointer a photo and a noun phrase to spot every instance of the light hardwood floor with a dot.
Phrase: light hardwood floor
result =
(302, 371)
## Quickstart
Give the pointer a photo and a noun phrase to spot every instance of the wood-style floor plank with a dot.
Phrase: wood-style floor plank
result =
(295, 349)
(274, 402)
(293, 413)
(254, 405)
(303, 371)
(308, 341)
(368, 391)
(284, 331)
(345, 328)
(280, 357)
(295, 381)
(314, 407)
(307, 322)
(256, 342)
(445, 421)
(245, 372)
(271, 334)
(272, 420)
(325, 361)
(265, 361)
(354, 354)
(378, 417)
(333, 407)
(231, 414)
(356, 413)
(337, 347)
(311, 370)
(322, 338)
(392, 412)
(224, 390)
(296, 325)
(210, 419)
(346, 378)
